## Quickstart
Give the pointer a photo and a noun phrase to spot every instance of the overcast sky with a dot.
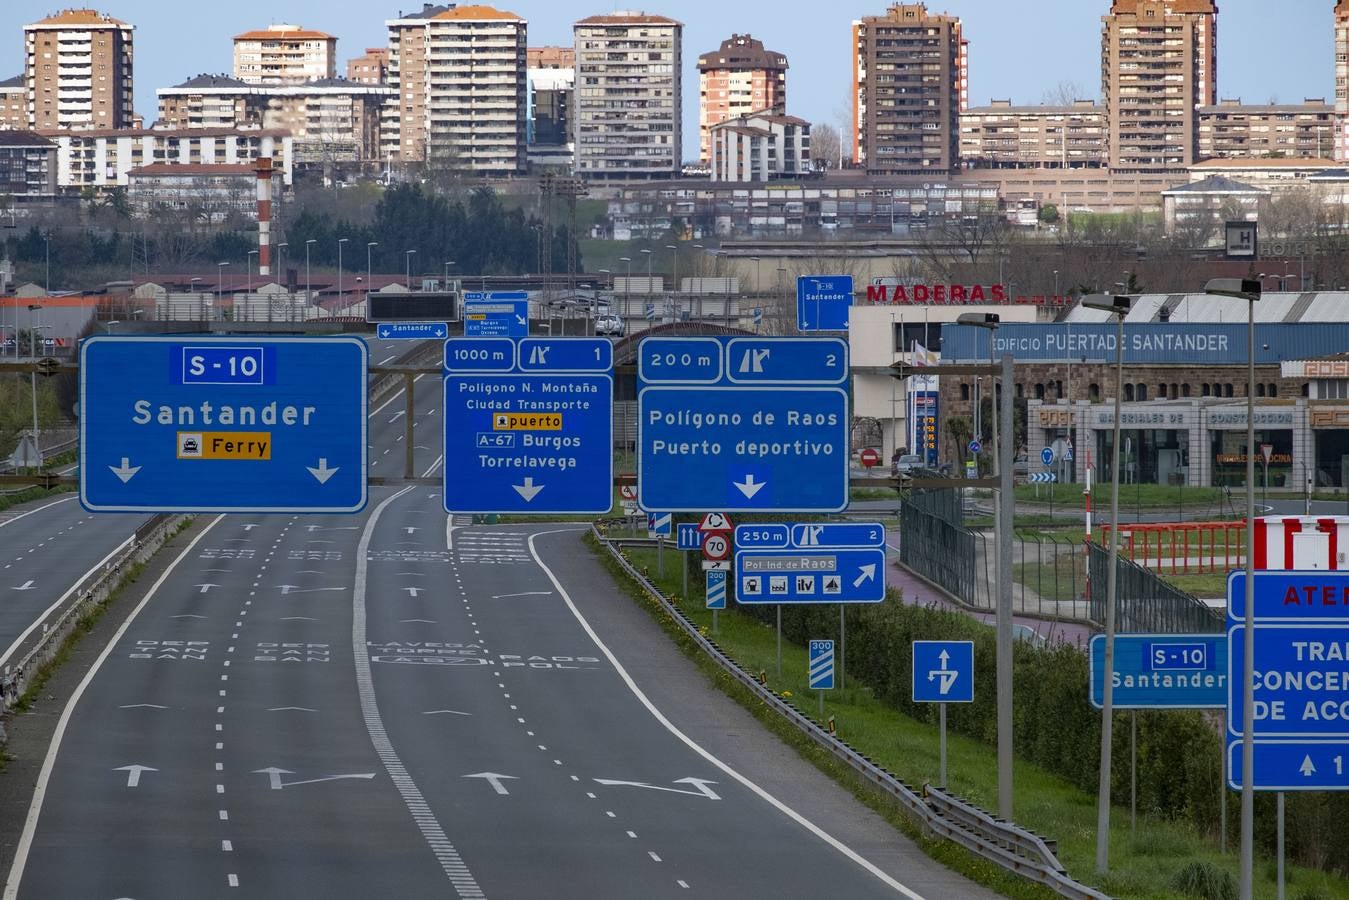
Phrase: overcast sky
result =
(1018, 50)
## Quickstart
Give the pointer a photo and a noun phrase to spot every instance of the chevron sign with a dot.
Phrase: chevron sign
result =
(1043, 478)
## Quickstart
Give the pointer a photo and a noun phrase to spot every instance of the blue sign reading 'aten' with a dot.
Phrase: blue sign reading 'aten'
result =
(528, 425)
(186, 424)
(1290, 596)
(1162, 671)
(823, 301)
(742, 424)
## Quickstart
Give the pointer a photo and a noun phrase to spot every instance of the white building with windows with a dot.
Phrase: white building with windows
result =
(760, 147)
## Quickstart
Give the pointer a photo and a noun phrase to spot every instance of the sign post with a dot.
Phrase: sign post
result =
(207, 424)
(943, 672)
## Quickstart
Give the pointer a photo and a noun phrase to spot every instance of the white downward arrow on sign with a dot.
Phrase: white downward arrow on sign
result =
(749, 487)
(868, 573)
(126, 471)
(322, 473)
(529, 490)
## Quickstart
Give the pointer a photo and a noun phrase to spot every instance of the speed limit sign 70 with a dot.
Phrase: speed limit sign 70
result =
(716, 547)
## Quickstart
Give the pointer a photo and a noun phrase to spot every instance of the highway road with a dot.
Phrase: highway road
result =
(385, 705)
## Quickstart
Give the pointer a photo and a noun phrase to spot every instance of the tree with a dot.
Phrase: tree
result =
(1065, 93)
(826, 146)
(1049, 214)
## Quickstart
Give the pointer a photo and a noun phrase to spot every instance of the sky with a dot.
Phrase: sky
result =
(1018, 50)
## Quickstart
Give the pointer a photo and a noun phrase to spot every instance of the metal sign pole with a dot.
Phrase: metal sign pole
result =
(779, 640)
(1222, 787)
(941, 720)
(684, 560)
(1279, 798)
(660, 556)
(1133, 773)
(842, 643)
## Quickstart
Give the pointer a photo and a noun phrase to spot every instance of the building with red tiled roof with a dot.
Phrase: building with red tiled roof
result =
(78, 71)
(104, 159)
(284, 54)
(739, 77)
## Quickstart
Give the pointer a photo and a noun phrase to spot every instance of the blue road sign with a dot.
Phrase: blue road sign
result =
(496, 295)
(1301, 680)
(975, 446)
(810, 576)
(650, 313)
(1290, 596)
(807, 535)
(528, 428)
(1047, 456)
(821, 676)
(716, 589)
(1289, 765)
(496, 318)
(659, 524)
(756, 316)
(743, 424)
(1042, 478)
(822, 302)
(943, 671)
(688, 537)
(1162, 671)
(206, 424)
(411, 331)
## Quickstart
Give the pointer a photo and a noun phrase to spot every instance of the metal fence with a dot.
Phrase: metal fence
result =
(1145, 603)
(933, 543)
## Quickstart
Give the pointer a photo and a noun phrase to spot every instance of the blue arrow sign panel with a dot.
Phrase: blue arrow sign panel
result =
(821, 677)
(1292, 765)
(810, 576)
(537, 441)
(745, 424)
(1162, 671)
(1301, 683)
(659, 524)
(943, 671)
(186, 424)
(716, 589)
(496, 318)
(1290, 596)
(411, 331)
(809, 535)
(688, 537)
(822, 302)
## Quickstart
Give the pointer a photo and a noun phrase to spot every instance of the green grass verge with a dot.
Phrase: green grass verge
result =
(1143, 866)
(1146, 496)
(1206, 585)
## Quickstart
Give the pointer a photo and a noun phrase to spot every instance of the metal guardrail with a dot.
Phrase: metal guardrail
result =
(1014, 848)
(146, 541)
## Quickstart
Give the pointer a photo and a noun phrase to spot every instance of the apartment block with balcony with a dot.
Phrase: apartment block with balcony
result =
(1342, 80)
(330, 119)
(629, 102)
(13, 104)
(371, 67)
(1004, 136)
(27, 164)
(1159, 61)
(552, 87)
(760, 147)
(910, 84)
(459, 76)
(102, 159)
(78, 71)
(1233, 130)
(213, 192)
(738, 78)
(284, 54)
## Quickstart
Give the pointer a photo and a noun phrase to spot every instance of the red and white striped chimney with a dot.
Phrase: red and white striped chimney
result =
(263, 166)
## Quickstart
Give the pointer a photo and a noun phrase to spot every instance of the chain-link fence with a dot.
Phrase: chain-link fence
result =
(1145, 603)
(934, 543)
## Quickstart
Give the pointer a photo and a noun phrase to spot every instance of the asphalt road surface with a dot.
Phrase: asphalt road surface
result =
(383, 705)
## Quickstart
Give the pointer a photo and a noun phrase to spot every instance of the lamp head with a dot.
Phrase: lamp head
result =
(979, 320)
(1111, 303)
(1240, 288)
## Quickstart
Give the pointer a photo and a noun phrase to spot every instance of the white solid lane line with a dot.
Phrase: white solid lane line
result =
(695, 747)
(37, 510)
(13, 648)
(44, 776)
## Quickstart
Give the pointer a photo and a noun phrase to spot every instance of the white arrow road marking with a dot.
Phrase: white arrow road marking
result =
(414, 591)
(291, 709)
(142, 706)
(523, 594)
(296, 589)
(700, 786)
(868, 572)
(410, 529)
(274, 777)
(298, 619)
(749, 487)
(529, 490)
(420, 621)
(398, 415)
(449, 712)
(322, 473)
(126, 472)
(187, 616)
(494, 780)
(1307, 769)
(206, 588)
(26, 586)
(133, 774)
(250, 526)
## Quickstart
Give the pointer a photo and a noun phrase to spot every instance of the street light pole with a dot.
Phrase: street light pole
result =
(407, 268)
(627, 285)
(1248, 290)
(308, 285)
(32, 376)
(248, 261)
(47, 240)
(219, 285)
(340, 242)
(1119, 307)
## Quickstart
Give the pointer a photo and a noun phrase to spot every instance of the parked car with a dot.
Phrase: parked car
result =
(610, 325)
(907, 463)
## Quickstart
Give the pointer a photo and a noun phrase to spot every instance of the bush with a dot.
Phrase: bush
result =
(1205, 881)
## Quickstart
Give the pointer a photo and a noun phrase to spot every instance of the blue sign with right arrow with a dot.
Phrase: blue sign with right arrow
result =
(810, 563)
(943, 671)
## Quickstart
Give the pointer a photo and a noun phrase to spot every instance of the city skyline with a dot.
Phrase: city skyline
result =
(1002, 63)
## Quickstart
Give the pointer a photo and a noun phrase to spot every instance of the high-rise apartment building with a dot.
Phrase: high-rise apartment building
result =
(629, 103)
(738, 78)
(78, 71)
(1159, 65)
(284, 54)
(552, 85)
(1342, 80)
(459, 73)
(1235, 130)
(1004, 136)
(13, 104)
(910, 84)
(372, 67)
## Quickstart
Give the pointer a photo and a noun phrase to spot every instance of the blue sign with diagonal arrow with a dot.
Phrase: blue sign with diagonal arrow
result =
(496, 318)
(943, 671)
(818, 562)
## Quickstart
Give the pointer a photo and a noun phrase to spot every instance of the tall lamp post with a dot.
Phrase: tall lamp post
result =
(248, 262)
(32, 376)
(281, 263)
(1118, 306)
(340, 242)
(627, 285)
(648, 272)
(407, 268)
(219, 286)
(755, 260)
(308, 285)
(47, 241)
(1249, 290)
(675, 289)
